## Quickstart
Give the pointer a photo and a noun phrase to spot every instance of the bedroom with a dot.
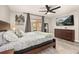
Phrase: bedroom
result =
(28, 19)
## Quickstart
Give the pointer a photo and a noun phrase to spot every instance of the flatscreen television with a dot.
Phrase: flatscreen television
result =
(65, 21)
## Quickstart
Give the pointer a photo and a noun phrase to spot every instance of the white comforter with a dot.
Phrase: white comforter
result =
(29, 39)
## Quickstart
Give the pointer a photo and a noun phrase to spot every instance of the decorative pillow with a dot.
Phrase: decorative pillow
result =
(22, 32)
(10, 36)
(19, 33)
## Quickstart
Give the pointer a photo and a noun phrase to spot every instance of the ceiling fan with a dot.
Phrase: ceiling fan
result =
(48, 9)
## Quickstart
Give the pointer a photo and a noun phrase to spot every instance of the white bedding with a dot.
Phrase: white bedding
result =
(29, 39)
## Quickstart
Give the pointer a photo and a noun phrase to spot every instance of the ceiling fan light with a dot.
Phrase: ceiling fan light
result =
(49, 13)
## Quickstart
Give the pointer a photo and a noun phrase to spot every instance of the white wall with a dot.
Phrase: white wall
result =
(12, 19)
(48, 20)
(75, 27)
(4, 13)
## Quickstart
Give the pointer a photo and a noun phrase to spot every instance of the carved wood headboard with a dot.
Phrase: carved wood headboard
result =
(4, 26)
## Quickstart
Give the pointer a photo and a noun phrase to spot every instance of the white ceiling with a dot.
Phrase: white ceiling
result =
(34, 9)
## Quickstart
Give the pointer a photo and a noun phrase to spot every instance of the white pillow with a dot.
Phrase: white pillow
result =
(2, 40)
(10, 36)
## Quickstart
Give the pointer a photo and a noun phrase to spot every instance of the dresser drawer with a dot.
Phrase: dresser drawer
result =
(65, 34)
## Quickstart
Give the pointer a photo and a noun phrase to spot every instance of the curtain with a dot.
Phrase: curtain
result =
(28, 23)
(42, 29)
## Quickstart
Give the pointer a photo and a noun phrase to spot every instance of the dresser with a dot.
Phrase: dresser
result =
(65, 34)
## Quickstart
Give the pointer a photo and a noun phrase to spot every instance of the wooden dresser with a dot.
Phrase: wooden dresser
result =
(65, 34)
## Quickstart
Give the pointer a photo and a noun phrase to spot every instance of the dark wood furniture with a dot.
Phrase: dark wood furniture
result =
(65, 34)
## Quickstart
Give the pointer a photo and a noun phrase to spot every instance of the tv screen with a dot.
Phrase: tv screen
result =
(65, 21)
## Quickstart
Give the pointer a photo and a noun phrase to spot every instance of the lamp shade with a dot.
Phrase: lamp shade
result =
(13, 26)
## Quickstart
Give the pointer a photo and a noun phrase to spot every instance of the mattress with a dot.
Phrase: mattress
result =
(28, 40)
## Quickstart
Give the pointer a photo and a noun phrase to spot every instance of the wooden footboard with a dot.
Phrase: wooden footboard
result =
(7, 52)
(34, 50)
(37, 50)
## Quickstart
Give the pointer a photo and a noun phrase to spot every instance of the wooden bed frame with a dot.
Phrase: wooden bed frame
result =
(34, 50)
(37, 48)
(4, 26)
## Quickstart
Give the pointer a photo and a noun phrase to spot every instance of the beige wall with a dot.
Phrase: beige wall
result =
(4, 13)
(48, 20)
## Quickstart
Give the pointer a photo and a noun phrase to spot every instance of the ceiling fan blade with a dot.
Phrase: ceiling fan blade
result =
(56, 8)
(53, 12)
(43, 11)
(47, 7)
